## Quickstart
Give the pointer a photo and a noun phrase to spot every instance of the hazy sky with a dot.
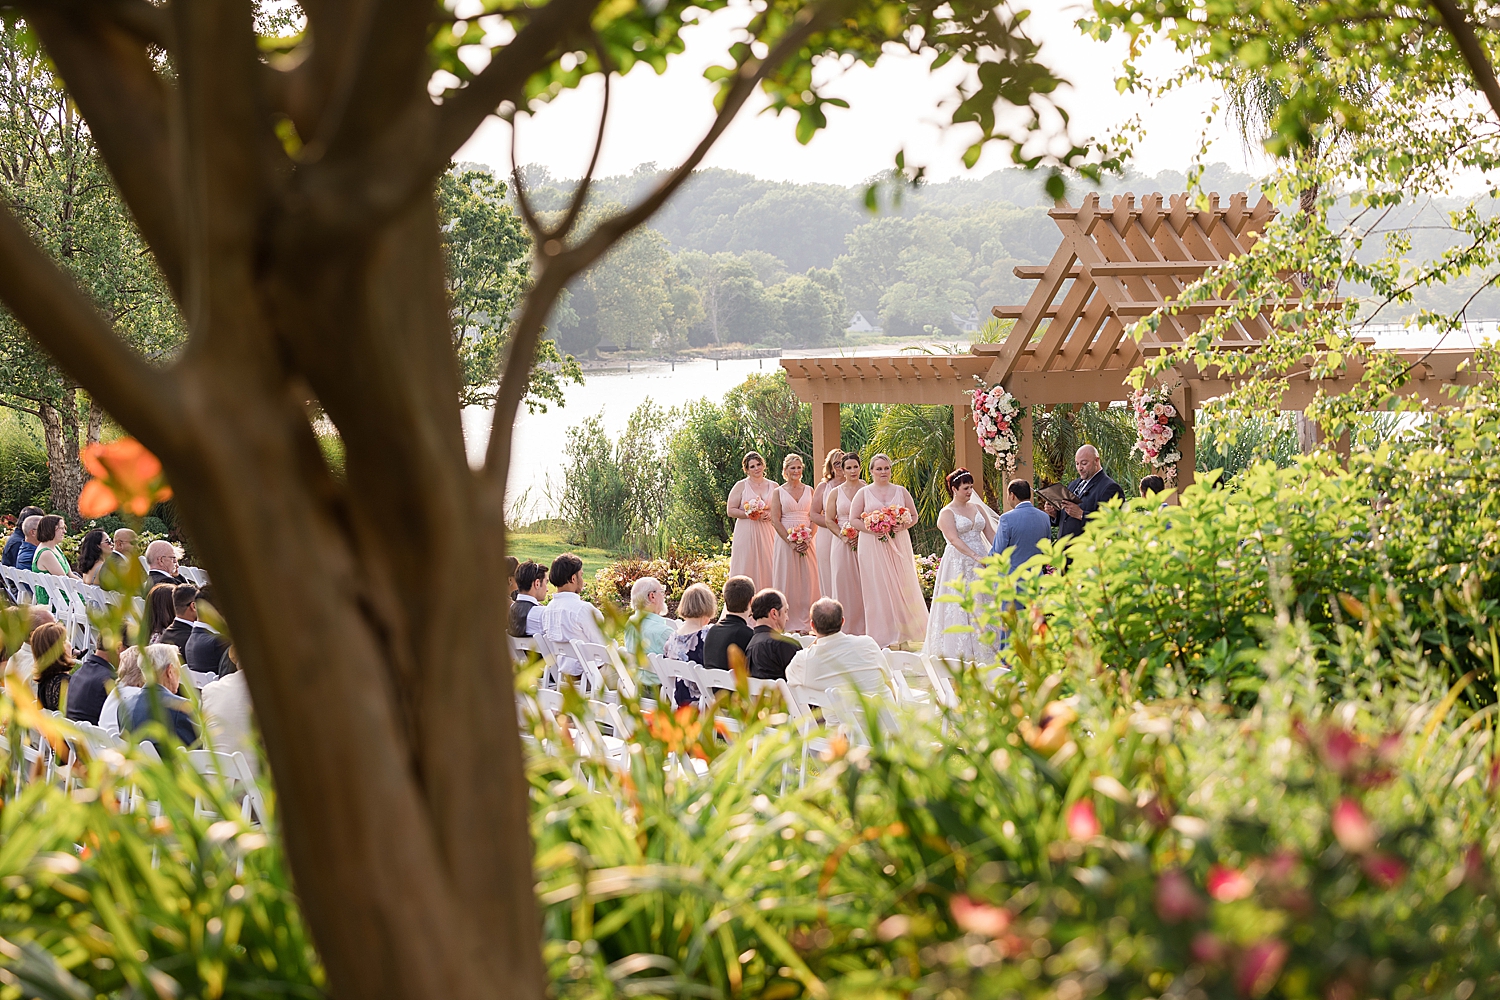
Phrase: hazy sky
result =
(659, 118)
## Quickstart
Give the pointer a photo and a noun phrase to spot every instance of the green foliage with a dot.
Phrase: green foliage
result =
(1059, 431)
(23, 463)
(616, 493)
(489, 260)
(1002, 849)
(677, 571)
(1232, 442)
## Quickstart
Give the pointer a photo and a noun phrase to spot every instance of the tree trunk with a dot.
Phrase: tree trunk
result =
(60, 431)
(1307, 433)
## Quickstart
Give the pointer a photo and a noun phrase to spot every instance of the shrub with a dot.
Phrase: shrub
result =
(24, 478)
(677, 571)
(616, 493)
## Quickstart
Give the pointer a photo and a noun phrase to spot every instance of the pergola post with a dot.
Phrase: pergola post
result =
(1188, 444)
(1024, 468)
(825, 430)
(967, 454)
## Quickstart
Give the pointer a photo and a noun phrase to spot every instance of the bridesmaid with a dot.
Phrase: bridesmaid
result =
(751, 548)
(833, 474)
(895, 610)
(843, 579)
(794, 568)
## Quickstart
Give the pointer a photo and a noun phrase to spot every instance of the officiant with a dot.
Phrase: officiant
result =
(1093, 487)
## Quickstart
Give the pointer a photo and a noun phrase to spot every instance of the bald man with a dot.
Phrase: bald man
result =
(1093, 487)
(161, 563)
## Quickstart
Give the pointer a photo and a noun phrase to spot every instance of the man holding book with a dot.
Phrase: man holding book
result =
(1092, 489)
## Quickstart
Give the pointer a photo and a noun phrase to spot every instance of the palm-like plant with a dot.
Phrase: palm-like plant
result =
(1059, 431)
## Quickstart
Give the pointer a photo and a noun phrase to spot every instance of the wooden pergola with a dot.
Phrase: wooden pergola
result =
(1068, 344)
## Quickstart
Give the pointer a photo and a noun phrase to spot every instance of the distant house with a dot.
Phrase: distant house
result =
(966, 324)
(863, 323)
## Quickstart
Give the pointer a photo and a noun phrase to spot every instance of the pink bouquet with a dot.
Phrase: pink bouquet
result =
(851, 535)
(798, 534)
(884, 520)
(754, 506)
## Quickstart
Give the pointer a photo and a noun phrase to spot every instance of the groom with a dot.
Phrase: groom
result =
(1094, 489)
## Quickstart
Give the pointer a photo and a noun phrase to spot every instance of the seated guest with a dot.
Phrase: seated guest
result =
(89, 687)
(161, 563)
(93, 550)
(569, 617)
(734, 629)
(17, 537)
(511, 565)
(836, 659)
(771, 649)
(649, 627)
(690, 640)
(22, 663)
(226, 713)
(185, 613)
(124, 546)
(696, 609)
(1151, 485)
(206, 652)
(54, 662)
(160, 702)
(531, 590)
(26, 551)
(48, 559)
(129, 683)
(160, 611)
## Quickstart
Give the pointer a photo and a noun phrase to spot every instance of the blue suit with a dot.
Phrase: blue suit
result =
(1022, 526)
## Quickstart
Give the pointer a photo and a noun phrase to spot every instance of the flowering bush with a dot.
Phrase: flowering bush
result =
(996, 416)
(927, 570)
(677, 571)
(1158, 428)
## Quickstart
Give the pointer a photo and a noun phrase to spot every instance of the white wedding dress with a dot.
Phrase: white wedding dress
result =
(955, 573)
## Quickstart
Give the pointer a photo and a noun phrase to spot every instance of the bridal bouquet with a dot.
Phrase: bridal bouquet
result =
(850, 534)
(754, 506)
(799, 533)
(884, 520)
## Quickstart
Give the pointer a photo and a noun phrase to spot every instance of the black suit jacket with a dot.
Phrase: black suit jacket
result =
(86, 691)
(732, 630)
(178, 633)
(207, 653)
(1101, 490)
(770, 652)
(157, 576)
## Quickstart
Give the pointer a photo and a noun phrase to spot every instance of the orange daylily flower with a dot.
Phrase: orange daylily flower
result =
(126, 477)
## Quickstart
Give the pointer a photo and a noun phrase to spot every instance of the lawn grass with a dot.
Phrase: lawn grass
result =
(546, 541)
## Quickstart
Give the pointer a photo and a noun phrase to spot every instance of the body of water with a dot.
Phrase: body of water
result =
(536, 468)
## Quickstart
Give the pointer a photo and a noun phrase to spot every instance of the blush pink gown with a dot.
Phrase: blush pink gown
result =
(843, 578)
(751, 549)
(794, 574)
(895, 610)
(823, 540)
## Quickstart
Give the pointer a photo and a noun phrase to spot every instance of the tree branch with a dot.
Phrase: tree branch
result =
(66, 324)
(581, 193)
(1472, 50)
(111, 77)
(20, 409)
(558, 266)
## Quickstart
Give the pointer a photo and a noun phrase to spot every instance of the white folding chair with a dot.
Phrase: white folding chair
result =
(941, 681)
(234, 770)
(670, 671)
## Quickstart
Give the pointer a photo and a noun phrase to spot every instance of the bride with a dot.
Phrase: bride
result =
(969, 526)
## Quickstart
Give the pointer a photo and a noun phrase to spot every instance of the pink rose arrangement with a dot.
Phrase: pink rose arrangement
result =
(754, 506)
(798, 534)
(885, 520)
(996, 423)
(850, 535)
(1158, 428)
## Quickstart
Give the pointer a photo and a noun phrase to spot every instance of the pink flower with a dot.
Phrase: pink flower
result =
(1260, 967)
(1083, 822)
(1385, 870)
(1176, 899)
(1208, 948)
(1351, 827)
(1228, 884)
(979, 918)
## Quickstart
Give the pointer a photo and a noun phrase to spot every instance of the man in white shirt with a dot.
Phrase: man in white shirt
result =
(838, 660)
(226, 714)
(569, 617)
